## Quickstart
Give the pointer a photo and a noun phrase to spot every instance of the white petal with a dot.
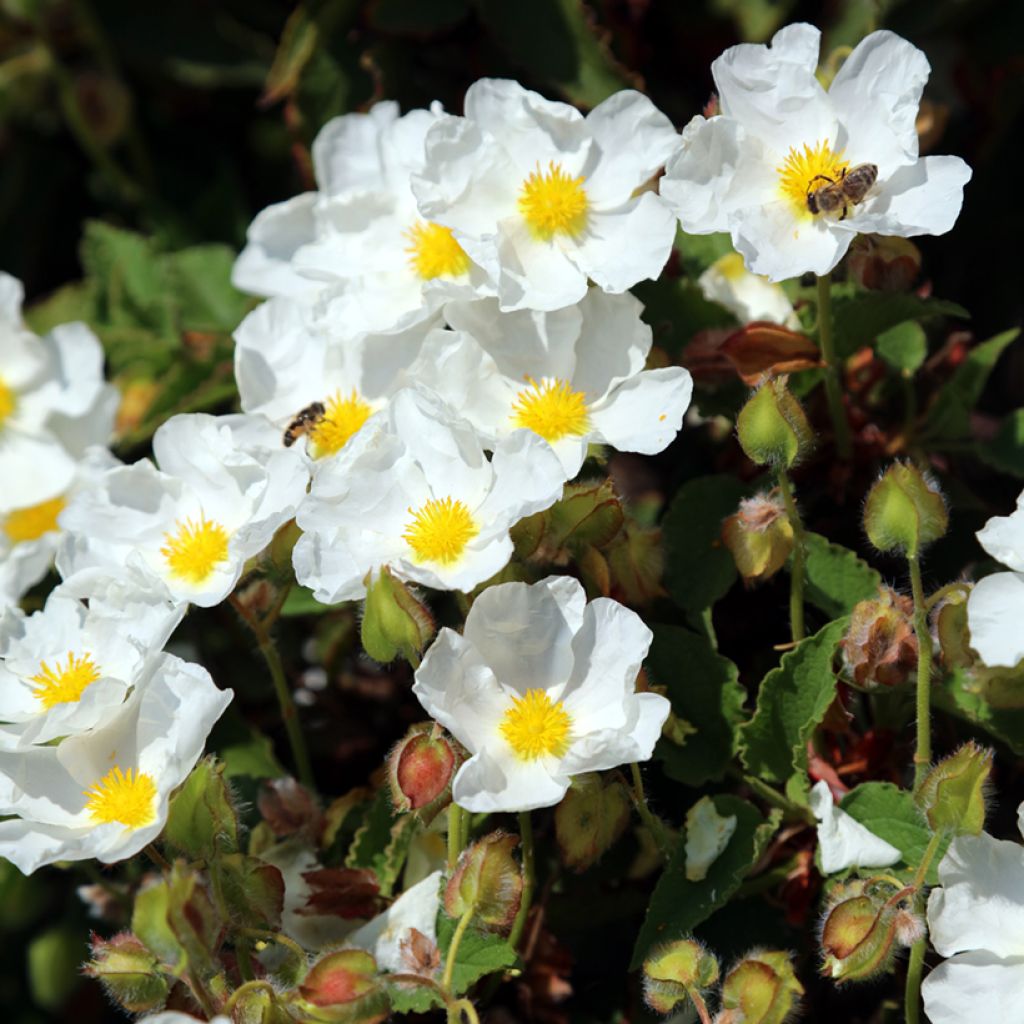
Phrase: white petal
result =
(528, 478)
(613, 343)
(1003, 537)
(747, 296)
(347, 150)
(974, 987)
(608, 748)
(537, 274)
(265, 264)
(485, 784)
(995, 610)
(844, 842)
(35, 469)
(645, 413)
(707, 835)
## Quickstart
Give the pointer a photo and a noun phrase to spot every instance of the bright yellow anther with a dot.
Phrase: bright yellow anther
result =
(125, 797)
(440, 530)
(342, 419)
(553, 203)
(552, 409)
(536, 726)
(7, 402)
(64, 685)
(434, 252)
(32, 522)
(195, 549)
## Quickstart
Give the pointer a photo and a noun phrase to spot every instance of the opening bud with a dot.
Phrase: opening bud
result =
(591, 816)
(759, 536)
(880, 648)
(904, 511)
(762, 988)
(488, 882)
(772, 427)
(344, 986)
(394, 622)
(952, 794)
(420, 771)
(129, 972)
(677, 972)
(859, 937)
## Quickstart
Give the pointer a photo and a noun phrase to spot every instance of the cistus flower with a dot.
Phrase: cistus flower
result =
(747, 296)
(539, 687)
(544, 198)
(765, 168)
(574, 377)
(414, 491)
(976, 920)
(995, 607)
(65, 669)
(104, 793)
(359, 244)
(223, 487)
(318, 381)
(843, 842)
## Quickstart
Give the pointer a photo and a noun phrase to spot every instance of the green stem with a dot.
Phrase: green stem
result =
(912, 992)
(461, 1006)
(796, 576)
(529, 878)
(776, 799)
(157, 858)
(833, 380)
(923, 751)
(654, 825)
(950, 588)
(455, 846)
(453, 949)
(926, 861)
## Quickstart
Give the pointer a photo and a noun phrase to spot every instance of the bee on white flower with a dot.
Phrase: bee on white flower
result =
(544, 198)
(794, 172)
(414, 491)
(540, 686)
(223, 487)
(574, 377)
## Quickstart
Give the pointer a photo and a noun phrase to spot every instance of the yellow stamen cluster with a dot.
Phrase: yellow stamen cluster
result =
(536, 726)
(342, 419)
(440, 530)
(195, 549)
(799, 173)
(6, 401)
(31, 523)
(553, 203)
(434, 252)
(552, 409)
(65, 685)
(125, 797)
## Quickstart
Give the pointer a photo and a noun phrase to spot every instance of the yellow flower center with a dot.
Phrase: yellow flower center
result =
(125, 797)
(6, 401)
(434, 252)
(32, 522)
(64, 685)
(195, 549)
(807, 169)
(536, 725)
(553, 203)
(730, 266)
(341, 420)
(551, 409)
(440, 530)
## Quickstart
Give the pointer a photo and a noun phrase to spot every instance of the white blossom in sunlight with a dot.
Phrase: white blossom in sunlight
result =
(540, 686)
(843, 842)
(223, 487)
(415, 492)
(747, 296)
(543, 197)
(784, 146)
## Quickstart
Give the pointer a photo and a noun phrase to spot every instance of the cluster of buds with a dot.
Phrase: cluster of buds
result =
(880, 647)
(759, 536)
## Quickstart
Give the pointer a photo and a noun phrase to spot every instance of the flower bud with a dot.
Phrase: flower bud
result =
(256, 1003)
(759, 537)
(394, 622)
(904, 511)
(673, 972)
(344, 986)
(880, 647)
(202, 819)
(772, 427)
(952, 794)
(859, 937)
(487, 881)
(762, 987)
(636, 559)
(591, 816)
(420, 771)
(586, 514)
(883, 263)
(129, 972)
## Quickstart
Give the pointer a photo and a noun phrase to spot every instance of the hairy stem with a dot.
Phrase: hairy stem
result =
(654, 825)
(529, 878)
(912, 992)
(796, 577)
(923, 750)
(453, 950)
(455, 844)
(833, 379)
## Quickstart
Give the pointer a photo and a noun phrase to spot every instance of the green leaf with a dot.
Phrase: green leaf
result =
(417, 17)
(200, 278)
(382, 841)
(791, 701)
(756, 20)
(53, 966)
(480, 953)
(150, 924)
(860, 318)
(201, 820)
(698, 567)
(948, 416)
(1005, 452)
(300, 601)
(891, 814)
(705, 692)
(555, 42)
(250, 753)
(678, 905)
(904, 347)
(836, 578)
(252, 890)
(72, 302)
(995, 705)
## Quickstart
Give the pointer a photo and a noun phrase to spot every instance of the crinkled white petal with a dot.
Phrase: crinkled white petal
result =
(844, 842)
(974, 987)
(495, 780)
(995, 610)
(265, 266)
(536, 273)
(645, 413)
(1003, 537)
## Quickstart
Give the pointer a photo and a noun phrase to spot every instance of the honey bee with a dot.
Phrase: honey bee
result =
(304, 422)
(840, 194)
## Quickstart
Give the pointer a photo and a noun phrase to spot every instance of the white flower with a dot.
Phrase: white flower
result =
(360, 244)
(54, 403)
(414, 491)
(66, 668)
(747, 296)
(843, 842)
(539, 687)
(574, 377)
(284, 362)
(976, 919)
(780, 135)
(104, 793)
(223, 487)
(995, 607)
(542, 197)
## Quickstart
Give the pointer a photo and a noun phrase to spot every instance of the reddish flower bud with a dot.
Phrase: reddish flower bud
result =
(420, 771)
(346, 985)
(880, 648)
